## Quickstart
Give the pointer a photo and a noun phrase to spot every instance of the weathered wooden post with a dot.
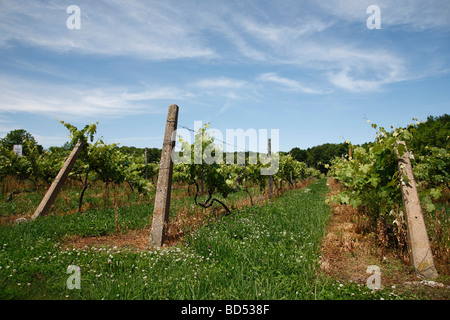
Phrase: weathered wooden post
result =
(418, 243)
(269, 153)
(146, 162)
(161, 209)
(57, 184)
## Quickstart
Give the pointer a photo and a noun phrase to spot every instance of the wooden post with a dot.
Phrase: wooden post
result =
(57, 184)
(418, 243)
(160, 221)
(145, 161)
(269, 153)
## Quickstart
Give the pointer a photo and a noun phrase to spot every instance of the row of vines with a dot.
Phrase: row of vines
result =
(371, 182)
(106, 163)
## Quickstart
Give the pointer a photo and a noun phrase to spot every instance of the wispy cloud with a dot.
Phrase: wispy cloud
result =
(298, 34)
(79, 101)
(358, 70)
(224, 88)
(282, 34)
(288, 83)
(220, 82)
(132, 28)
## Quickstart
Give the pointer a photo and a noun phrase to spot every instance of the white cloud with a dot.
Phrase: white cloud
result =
(359, 70)
(300, 34)
(310, 43)
(58, 100)
(131, 28)
(224, 88)
(288, 83)
(343, 80)
(220, 82)
(283, 33)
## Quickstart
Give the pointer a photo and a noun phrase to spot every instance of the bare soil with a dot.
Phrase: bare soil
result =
(133, 239)
(183, 224)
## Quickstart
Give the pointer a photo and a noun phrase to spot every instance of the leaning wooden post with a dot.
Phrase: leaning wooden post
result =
(161, 209)
(418, 243)
(57, 184)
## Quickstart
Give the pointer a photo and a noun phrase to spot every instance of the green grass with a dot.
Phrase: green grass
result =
(261, 252)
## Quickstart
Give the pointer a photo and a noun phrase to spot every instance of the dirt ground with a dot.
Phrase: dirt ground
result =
(135, 239)
(347, 253)
(139, 239)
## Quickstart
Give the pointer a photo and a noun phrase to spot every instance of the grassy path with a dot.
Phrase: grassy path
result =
(263, 252)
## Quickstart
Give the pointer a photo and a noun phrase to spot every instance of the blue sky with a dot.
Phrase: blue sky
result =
(311, 69)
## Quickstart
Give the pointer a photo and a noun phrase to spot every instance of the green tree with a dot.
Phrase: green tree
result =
(435, 132)
(153, 155)
(321, 156)
(298, 154)
(19, 136)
